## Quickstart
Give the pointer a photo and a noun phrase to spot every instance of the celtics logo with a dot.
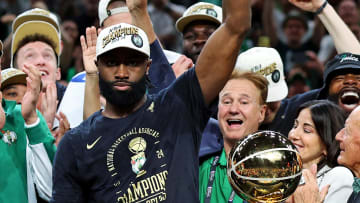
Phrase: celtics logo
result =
(275, 76)
(137, 40)
(211, 12)
(9, 137)
(138, 147)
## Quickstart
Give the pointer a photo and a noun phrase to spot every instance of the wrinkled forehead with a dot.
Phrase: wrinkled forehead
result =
(240, 88)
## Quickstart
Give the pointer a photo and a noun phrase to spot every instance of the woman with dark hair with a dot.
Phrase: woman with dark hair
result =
(313, 134)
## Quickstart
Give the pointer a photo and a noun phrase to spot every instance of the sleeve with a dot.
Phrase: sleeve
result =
(40, 134)
(40, 154)
(340, 180)
(66, 178)
(161, 74)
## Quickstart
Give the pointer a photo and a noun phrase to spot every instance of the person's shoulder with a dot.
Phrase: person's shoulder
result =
(81, 131)
(339, 175)
(340, 170)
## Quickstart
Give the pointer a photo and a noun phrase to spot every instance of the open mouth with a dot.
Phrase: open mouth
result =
(233, 123)
(349, 99)
(43, 73)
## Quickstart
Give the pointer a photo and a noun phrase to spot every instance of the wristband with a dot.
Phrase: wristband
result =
(317, 12)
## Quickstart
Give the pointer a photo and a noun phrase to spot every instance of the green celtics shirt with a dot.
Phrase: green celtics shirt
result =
(221, 188)
(15, 141)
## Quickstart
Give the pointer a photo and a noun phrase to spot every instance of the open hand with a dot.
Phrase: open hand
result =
(88, 46)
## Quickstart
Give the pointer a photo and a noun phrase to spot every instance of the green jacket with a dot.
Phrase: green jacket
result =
(221, 189)
(13, 152)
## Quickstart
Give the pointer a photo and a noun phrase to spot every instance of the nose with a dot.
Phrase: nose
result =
(234, 109)
(339, 136)
(200, 40)
(121, 72)
(40, 61)
(293, 135)
(350, 79)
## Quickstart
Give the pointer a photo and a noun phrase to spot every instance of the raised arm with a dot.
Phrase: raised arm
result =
(268, 22)
(217, 59)
(140, 17)
(344, 39)
(92, 91)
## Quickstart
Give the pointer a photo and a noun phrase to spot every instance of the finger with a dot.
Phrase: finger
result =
(313, 169)
(82, 43)
(88, 36)
(93, 36)
(324, 192)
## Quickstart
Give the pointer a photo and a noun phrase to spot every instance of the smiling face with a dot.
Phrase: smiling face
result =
(240, 110)
(349, 139)
(43, 57)
(306, 139)
(345, 91)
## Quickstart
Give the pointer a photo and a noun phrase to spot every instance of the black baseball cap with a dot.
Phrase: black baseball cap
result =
(341, 64)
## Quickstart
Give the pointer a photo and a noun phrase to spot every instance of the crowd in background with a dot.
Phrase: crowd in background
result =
(301, 40)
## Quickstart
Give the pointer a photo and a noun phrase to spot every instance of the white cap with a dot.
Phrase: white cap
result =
(200, 11)
(122, 35)
(35, 21)
(268, 63)
(104, 12)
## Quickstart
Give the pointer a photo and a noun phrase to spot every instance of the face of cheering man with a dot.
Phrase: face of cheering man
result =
(344, 90)
(122, 77)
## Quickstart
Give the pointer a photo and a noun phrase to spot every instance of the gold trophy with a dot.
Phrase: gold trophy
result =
(264, 167)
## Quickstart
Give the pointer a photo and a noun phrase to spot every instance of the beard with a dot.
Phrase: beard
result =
(123, 99)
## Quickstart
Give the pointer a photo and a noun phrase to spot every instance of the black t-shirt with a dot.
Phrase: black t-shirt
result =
(148, 156)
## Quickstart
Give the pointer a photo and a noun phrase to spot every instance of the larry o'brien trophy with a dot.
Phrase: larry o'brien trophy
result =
(264, 167)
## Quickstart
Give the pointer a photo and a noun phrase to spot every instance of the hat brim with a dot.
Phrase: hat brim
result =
(342, 68)
(32, 28)
(277, 92)
(184, 21)
(16, 79)
(27, 18)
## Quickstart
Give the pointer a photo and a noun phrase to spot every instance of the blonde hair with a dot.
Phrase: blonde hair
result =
(258, 80)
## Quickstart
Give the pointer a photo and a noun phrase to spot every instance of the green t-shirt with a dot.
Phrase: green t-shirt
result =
(222, 189)
(13, 167)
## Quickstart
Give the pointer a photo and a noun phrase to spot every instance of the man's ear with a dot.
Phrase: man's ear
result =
(148, 66)
(262, 113)
(58, 73)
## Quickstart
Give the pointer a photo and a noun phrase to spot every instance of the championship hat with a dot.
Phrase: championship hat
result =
(122, 35)
(32, 22)
(11, 76)
(104, 12)
(268, 63)
(341, 63)
(200, 11)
